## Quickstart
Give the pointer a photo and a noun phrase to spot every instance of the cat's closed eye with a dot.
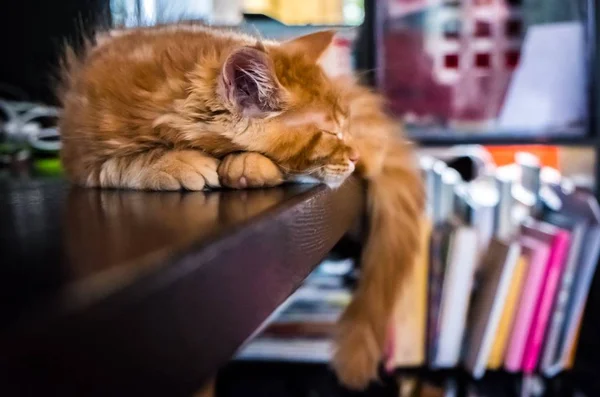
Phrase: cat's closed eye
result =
(339, 135)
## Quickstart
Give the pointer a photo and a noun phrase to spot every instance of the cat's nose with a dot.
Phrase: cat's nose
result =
(353, 155)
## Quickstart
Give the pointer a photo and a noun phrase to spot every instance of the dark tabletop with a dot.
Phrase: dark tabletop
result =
(123, 293)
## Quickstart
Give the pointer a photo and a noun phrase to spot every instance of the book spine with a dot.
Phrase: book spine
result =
(544, 306)
(500, 298)
(558, 316)
(508, 315)
(455, 297)
(583, 286)
(437, 258)
(514, 354)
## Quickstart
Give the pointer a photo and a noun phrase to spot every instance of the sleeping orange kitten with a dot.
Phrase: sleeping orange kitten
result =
(189, 107)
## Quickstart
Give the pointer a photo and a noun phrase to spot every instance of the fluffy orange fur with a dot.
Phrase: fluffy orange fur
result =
(189, 107)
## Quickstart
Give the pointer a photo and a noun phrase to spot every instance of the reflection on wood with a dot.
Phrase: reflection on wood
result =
(117, 236)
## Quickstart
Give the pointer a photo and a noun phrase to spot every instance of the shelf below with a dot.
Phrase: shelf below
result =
(149, 293)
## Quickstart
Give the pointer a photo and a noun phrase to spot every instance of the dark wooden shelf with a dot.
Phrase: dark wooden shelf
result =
(446, 137)
(430, 141)
(138, 293)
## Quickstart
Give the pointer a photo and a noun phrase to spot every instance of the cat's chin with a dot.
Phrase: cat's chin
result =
(308, 179)
(332, 182)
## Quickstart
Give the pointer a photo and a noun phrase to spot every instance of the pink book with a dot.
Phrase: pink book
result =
(560, 244)
(537, 253)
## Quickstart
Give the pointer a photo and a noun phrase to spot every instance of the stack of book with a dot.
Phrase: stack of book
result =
(509, 258)
(505, 266)
(301, 329)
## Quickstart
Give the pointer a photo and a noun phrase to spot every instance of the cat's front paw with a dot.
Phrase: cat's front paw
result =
(185, 169)
(357, 355)
(248, 170)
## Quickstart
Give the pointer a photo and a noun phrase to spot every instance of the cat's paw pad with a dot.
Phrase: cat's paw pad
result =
(188, 169)
(248, 170)
(357, 356)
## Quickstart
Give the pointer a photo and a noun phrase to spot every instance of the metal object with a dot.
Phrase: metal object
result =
(530, 177)
(480, 201)
(438, 169)
(504, 225)
(426, 164)
(449, 181)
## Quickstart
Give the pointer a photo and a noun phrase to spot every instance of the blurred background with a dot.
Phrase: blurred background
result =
(453, 71)
(479, 85)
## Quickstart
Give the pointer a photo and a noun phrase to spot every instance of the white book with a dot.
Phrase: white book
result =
(456, 292)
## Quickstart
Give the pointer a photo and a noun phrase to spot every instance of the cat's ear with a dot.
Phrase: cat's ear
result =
(249, 84)
(312, 46)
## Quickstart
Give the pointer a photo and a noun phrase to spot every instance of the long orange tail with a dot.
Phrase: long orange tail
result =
(395, 201)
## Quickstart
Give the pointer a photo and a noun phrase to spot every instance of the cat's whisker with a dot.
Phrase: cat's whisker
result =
(365, 72)
(306, 171)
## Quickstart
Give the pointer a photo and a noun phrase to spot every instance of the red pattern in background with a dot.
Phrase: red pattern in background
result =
(409, 79)
(481, 76)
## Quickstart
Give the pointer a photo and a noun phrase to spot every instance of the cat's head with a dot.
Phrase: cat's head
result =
(285, 106)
